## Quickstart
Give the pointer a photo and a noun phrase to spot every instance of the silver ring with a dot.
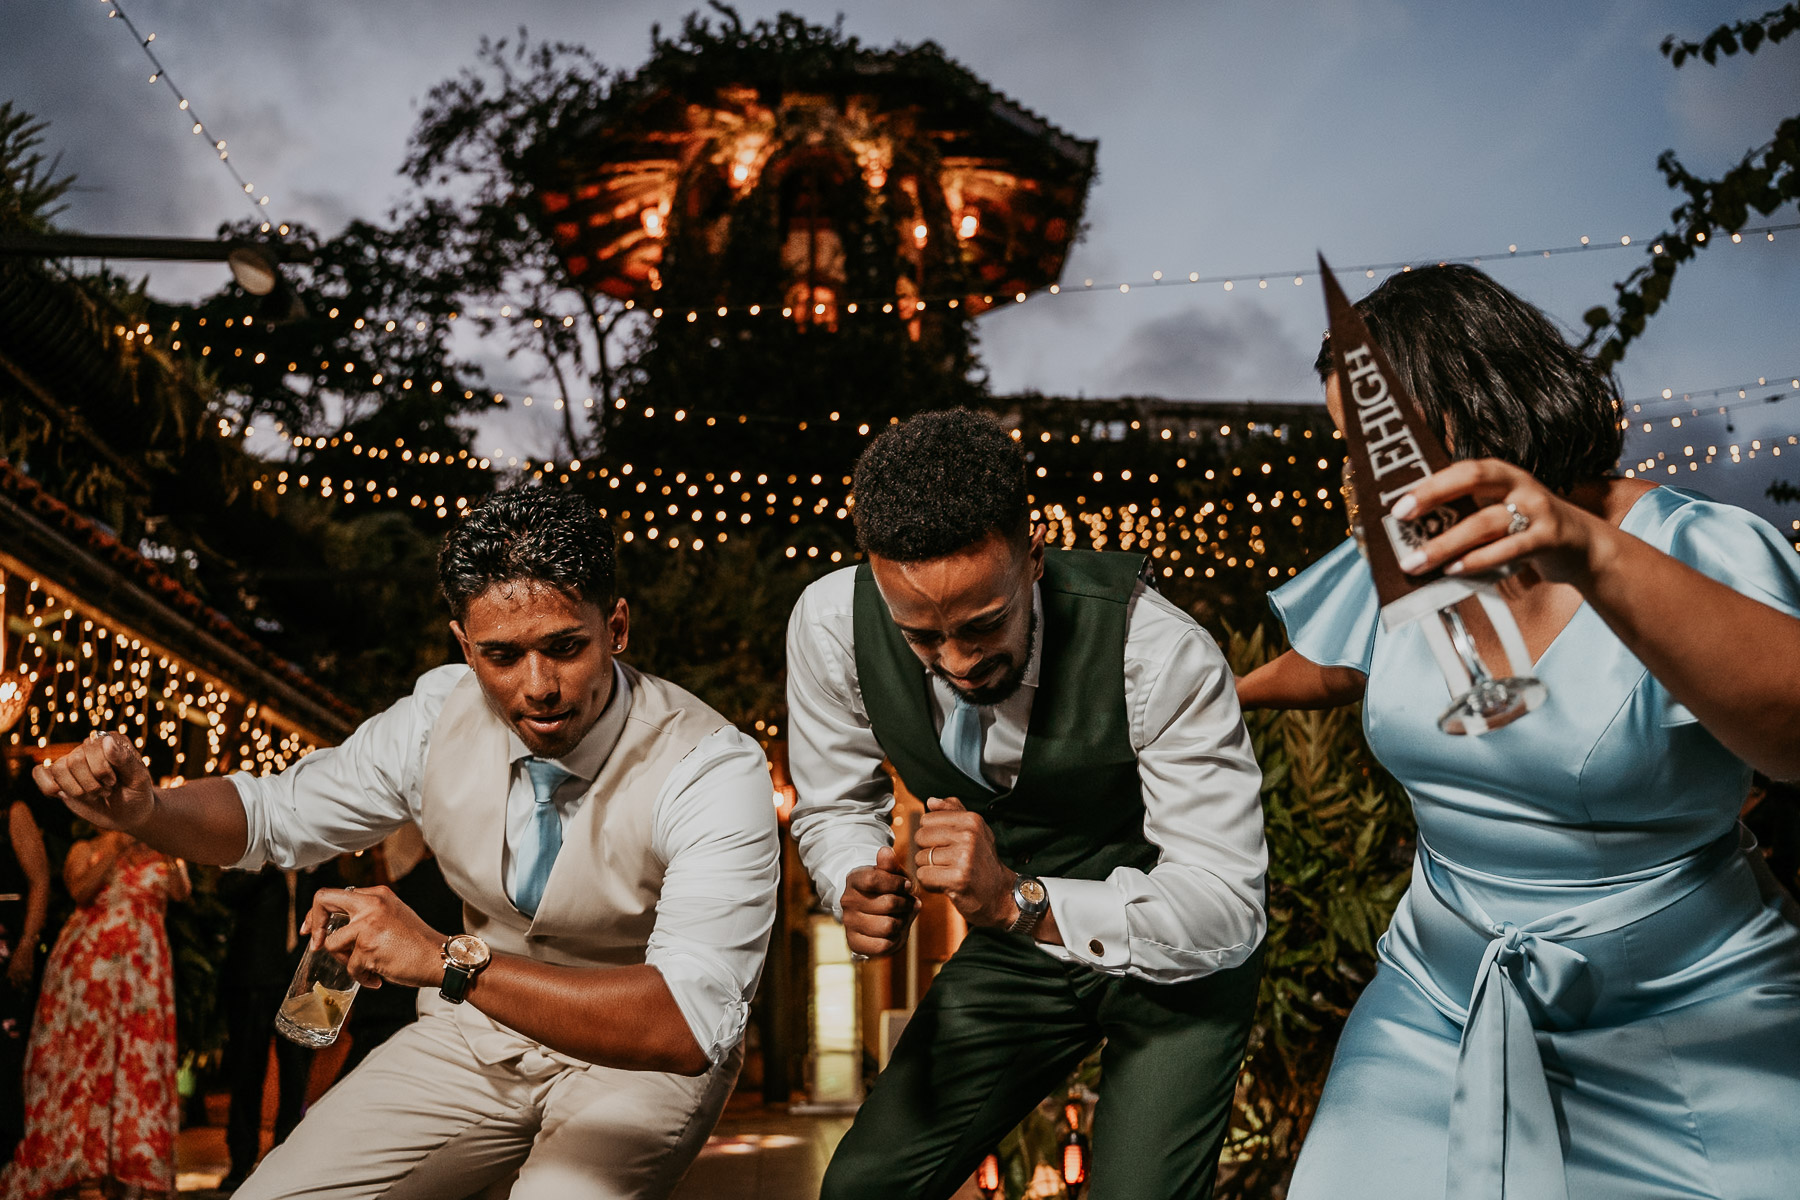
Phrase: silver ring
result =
(351, 888)
(931, 856)
(1519, 523)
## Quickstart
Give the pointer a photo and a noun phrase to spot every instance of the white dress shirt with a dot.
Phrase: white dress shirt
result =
(1199, 910)
(713, 828)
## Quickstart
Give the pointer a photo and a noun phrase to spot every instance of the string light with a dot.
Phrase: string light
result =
(161, 74)
(90, 673)
(1740, 390)
(908, 307)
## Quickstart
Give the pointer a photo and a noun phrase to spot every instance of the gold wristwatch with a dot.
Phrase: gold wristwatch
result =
(465, 957)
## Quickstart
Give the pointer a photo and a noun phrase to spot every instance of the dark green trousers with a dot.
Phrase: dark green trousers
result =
(1004, 1023)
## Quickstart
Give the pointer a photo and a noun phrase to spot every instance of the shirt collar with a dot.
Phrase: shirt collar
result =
(1035, 662)
(591, 752)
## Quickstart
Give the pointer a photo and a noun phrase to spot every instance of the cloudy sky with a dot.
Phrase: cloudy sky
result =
(1234, 139)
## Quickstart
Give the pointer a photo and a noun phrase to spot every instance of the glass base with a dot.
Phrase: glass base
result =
(1492, 704)
(306, 1035)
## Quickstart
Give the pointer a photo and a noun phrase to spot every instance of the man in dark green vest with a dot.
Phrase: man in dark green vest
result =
(1092, 812)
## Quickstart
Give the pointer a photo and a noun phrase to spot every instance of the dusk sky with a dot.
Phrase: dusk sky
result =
(1234, 140)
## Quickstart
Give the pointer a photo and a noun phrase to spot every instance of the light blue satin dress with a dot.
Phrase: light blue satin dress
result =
(1591, 990)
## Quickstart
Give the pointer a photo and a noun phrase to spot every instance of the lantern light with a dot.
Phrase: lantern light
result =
(987, 1177)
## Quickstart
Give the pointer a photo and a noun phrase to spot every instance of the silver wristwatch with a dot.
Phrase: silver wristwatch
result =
(1033, 901)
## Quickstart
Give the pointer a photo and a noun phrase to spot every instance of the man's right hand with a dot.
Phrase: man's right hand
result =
(103, 780)
(878, 906)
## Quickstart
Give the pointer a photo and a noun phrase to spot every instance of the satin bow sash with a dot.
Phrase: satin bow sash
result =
(1504, 1141)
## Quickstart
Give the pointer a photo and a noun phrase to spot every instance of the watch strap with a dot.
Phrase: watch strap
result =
(455, 987)
(457, 978)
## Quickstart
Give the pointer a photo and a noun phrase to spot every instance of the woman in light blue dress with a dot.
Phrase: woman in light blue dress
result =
(1592, 989)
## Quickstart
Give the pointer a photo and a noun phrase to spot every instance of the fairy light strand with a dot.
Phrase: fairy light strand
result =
(907, 308)
(160, 74)
(84, 672)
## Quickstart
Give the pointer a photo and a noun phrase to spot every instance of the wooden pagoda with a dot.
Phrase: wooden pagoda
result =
(855, 176)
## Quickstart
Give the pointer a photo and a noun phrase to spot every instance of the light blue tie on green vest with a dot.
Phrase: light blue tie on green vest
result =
(961, 740)
(538, 854)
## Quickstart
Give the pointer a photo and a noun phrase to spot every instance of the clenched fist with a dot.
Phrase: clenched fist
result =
(103, 780)
(878, 906)
(956, 856)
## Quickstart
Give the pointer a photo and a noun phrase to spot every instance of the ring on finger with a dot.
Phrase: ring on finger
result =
(1519, 522)
(931, 856)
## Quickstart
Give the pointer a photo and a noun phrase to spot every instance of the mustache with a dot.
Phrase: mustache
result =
(986, 666)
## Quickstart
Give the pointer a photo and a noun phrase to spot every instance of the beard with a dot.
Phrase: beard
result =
(1011, 673)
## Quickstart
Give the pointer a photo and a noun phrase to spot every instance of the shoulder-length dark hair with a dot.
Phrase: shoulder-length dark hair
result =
(1495, 377)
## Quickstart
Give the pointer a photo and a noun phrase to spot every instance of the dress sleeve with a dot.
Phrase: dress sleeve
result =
(1331, 611)
(1741, 551)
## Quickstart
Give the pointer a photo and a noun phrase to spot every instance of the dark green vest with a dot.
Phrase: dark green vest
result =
(1076, 810)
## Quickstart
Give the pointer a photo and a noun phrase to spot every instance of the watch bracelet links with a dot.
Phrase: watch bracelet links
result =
(1027, 921)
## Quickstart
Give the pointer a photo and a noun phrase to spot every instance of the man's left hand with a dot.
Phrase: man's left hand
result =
(383, 941)
(954, 854)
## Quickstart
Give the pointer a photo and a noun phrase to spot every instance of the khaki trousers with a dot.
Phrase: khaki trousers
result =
(421, 1119)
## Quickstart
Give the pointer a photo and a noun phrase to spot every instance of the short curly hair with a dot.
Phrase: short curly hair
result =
(938, 483)
(529, 533)
(1495, 377)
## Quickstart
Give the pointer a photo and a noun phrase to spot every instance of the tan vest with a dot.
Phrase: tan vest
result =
(599, 905)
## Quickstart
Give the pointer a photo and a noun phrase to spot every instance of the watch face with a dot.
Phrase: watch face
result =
(1032, 891)
(467, 951)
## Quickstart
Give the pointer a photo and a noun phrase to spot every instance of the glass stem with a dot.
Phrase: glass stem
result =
(1465, 645)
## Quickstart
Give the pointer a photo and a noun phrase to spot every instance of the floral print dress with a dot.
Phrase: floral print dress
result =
(100, 1096)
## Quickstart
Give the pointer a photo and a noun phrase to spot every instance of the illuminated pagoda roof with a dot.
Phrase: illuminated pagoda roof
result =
(794, 146)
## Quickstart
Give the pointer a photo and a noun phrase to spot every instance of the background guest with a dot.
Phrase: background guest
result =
(260, 956)
(24, 902)
(100, 1102)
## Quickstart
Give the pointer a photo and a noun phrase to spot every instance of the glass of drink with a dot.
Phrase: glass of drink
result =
(1491, 692)
(1492, 689)
(318, 1000)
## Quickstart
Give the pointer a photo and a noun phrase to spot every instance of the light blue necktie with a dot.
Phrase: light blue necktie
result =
(961, 740)
(538, 854)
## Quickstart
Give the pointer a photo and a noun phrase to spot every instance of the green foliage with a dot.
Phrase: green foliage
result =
(479, 139)
(198, 929)
(1764, 180)
(1340, 835)
(715, 620)
(338, 367)
(1772, 26)
(30, 189)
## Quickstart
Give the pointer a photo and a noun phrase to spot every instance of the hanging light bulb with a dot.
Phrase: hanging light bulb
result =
(15, 685)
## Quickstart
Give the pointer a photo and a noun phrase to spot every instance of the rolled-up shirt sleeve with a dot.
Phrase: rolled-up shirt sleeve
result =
(715, 831)
(1201, 908)
(347, 797)
(842, 818)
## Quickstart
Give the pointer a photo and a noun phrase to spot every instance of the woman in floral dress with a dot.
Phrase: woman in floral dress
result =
(100, 1101)
(24, 902)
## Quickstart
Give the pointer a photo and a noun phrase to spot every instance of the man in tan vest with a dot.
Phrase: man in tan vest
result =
(613, 843)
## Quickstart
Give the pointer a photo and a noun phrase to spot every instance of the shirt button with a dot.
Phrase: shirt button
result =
(1096, 947)
(1025, 858)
